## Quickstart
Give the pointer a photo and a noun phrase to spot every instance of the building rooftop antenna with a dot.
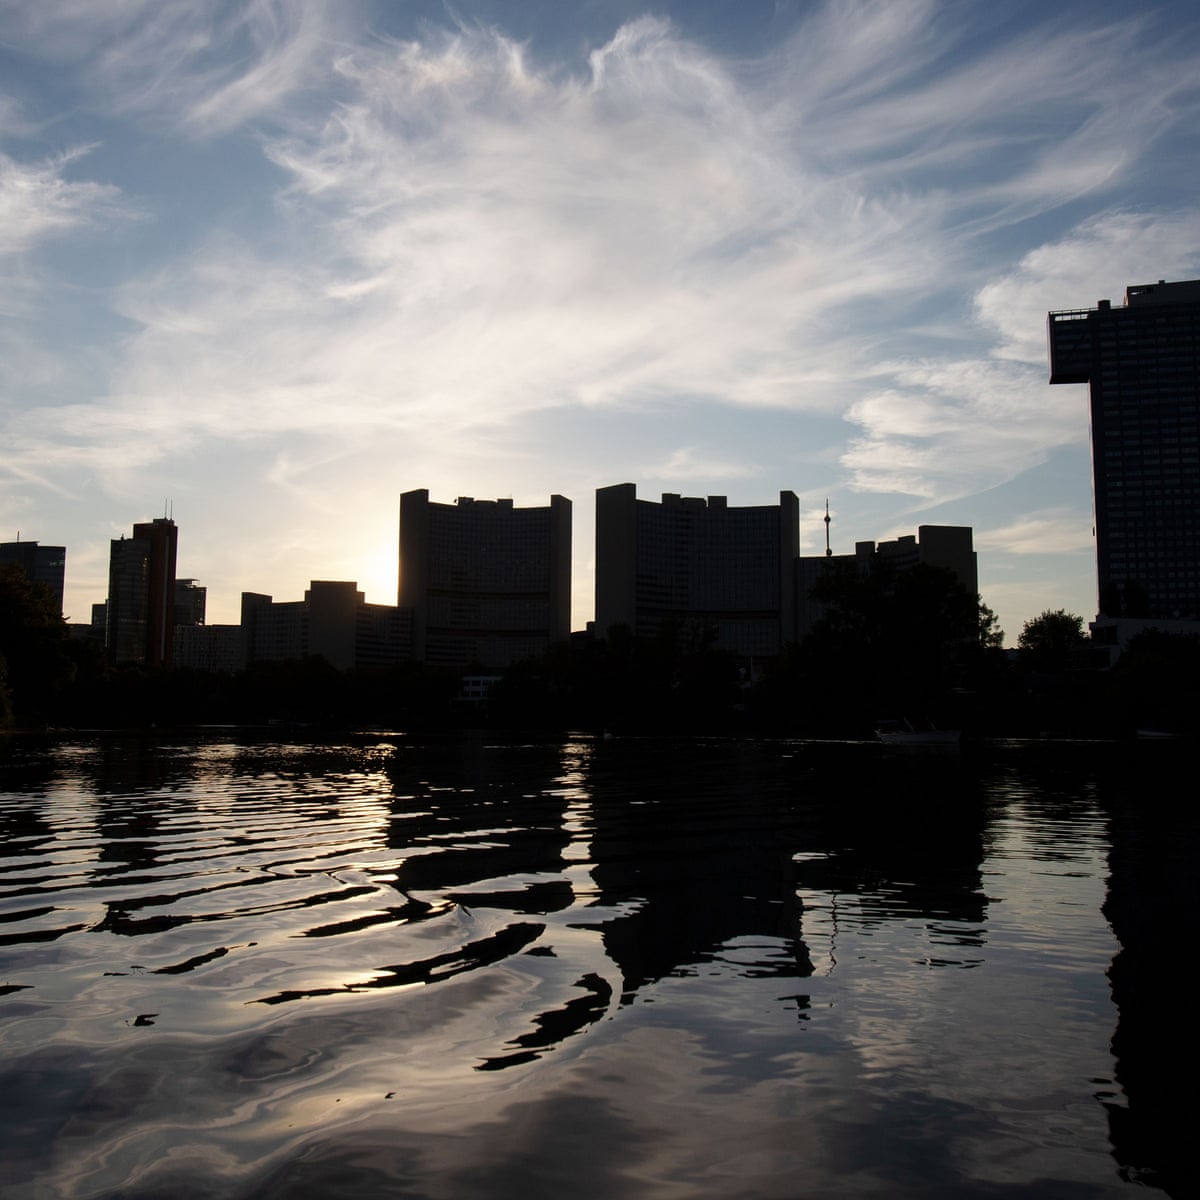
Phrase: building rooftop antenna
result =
(828, 552)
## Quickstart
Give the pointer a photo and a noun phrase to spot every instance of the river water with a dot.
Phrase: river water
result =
(486, 967)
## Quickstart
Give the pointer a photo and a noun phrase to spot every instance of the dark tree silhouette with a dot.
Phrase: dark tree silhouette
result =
(1046, 642)
(895, 642)
(34, 663)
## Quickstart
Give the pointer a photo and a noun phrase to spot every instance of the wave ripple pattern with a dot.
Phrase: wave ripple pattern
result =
(482, 966)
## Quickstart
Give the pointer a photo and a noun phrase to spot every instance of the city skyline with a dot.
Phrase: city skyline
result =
(277, 264)
(484, 584)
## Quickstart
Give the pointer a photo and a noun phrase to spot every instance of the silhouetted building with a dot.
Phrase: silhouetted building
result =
(1110, 636)
(191, 601)
(382, 635)
(100, 618)
(253, 603)
(950, 547)
(141, 595)
(1142, 361)
(41, 564)
(699, 564)
(209, 648)
(486, 582)
(198, 646)
(333, 621)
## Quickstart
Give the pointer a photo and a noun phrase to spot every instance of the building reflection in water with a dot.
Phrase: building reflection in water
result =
(1153, 905)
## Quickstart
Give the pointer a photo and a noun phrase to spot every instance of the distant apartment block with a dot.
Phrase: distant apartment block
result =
(1142, 363)
(141, 595)
(950, 547)
(209, 648)
(333, 621)
(41, 564)
(485, 582)
(699, 564)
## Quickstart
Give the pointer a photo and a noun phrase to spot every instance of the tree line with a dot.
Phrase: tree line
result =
(911, 645)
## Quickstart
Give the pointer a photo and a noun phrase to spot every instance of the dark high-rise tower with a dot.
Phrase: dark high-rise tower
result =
(1142, 361)
(141, 595)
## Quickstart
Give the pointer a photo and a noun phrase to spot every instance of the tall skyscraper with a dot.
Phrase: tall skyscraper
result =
(699, 563)
(141, 595)
(486, 582)
(1142, 361)
(41, 564)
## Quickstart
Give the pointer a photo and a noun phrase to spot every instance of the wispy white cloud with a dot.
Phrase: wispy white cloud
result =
(37, 201)
(1095, 261)
(1053, 531)
(687, 463)
(1057, 112)
(204, 65)
(470, 240)
(470, 236)
(953, 427)
(13, 121)
(39, 205)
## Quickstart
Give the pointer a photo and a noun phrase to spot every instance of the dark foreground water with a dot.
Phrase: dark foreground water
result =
(478, 967)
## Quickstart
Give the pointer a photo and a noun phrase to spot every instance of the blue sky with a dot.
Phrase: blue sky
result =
(274, 263)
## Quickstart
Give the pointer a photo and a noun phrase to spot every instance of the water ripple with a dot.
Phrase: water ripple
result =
(217, 954)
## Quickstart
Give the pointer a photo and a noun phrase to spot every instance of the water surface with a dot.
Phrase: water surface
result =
(484, 967)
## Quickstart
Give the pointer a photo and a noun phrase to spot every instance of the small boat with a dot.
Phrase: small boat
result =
(904, 733)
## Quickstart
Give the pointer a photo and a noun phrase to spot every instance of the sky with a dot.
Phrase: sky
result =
(268, 263)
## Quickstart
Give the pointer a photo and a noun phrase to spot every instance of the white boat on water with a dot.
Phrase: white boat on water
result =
(904, 733)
